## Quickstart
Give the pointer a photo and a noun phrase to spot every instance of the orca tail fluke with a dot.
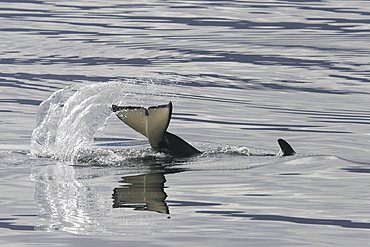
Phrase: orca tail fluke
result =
(152, 123)
(285, 148)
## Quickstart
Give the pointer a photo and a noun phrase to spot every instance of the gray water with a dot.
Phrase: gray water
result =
(241, 74)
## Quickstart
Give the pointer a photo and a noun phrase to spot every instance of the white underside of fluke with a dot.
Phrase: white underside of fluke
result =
(151, 122)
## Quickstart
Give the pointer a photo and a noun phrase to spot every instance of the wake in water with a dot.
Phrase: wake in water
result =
(68, 122)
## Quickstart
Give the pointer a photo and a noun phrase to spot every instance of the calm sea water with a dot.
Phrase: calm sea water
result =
(241, 74)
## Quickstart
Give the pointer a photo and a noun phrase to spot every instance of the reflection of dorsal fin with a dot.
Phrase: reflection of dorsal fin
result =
(285, 148)
(151, 122)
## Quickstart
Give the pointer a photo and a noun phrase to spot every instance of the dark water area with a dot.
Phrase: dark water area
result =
(240, 74)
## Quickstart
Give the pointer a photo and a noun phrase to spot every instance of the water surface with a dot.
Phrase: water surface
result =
(241, 74)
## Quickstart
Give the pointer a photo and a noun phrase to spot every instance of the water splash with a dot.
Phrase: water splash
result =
(68, 121)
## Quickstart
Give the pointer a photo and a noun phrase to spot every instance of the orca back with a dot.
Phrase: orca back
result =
(178, 147)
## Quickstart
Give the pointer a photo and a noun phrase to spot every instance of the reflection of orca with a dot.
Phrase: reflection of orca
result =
(144, 192)
(153, 123)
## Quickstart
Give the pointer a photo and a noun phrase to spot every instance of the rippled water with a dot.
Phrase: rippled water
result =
(241, 74)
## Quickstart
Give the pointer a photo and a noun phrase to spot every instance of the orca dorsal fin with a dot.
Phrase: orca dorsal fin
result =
(151, 123)
(285, 148)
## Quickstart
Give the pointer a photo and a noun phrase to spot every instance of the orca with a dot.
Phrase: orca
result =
(153, 122)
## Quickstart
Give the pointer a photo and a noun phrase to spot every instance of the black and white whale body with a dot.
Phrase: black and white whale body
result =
(153, 123)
